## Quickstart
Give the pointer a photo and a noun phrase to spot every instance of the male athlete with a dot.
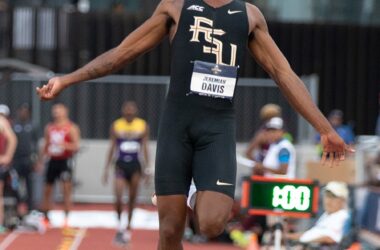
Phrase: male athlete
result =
(8, 144)
(209, 39)
(61, 142)
(129, 146)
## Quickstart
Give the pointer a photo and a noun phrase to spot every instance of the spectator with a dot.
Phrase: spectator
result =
(373, 171)
(26, 151)
(345, 131)
(259, 146)
(8, 143)
(330, 227)
(280, 158)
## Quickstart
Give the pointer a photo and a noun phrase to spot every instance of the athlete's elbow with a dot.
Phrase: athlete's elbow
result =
(124, 56)
(283, 76)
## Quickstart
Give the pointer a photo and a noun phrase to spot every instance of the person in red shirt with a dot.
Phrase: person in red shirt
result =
(8, 143)
(61, 142)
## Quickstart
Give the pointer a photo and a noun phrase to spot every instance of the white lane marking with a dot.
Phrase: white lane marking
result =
(8, 240)
(78, 239)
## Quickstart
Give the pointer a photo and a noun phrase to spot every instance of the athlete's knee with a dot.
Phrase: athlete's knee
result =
(212, 226)
(171, 231)
(171, 227)
(132, 196)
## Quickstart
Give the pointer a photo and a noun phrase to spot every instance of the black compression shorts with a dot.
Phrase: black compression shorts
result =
(199, 143)
(126, 170)
(59, 169)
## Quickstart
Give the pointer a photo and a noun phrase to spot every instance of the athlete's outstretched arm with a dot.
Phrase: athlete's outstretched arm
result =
(143, 39)
(268, 55)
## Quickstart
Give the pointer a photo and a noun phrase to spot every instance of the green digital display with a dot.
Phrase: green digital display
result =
(279, 196)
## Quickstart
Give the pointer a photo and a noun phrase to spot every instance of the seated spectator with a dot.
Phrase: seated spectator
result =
(330, 227)
(373, 171)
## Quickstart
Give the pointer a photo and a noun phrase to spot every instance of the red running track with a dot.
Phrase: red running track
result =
(89, 239)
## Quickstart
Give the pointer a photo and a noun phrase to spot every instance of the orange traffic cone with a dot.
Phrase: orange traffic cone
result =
(253, 243)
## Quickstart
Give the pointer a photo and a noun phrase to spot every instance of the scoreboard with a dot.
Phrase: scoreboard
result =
(280, 196)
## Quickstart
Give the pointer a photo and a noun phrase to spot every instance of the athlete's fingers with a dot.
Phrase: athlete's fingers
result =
(330, 159)
(337, 158)
(342, 156)
(349, 149)
(324, 157)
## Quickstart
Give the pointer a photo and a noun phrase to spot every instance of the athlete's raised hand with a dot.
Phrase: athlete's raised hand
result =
(334, 148)
(51, 89)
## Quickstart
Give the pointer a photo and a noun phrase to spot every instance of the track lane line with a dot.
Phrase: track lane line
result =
(8, 240)
(78, 239)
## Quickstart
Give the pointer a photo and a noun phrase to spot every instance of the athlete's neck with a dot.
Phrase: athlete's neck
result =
(129, 119)
(217, 3)
(61, 122)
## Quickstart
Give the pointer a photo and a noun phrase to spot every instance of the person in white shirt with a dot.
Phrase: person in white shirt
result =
(280, 160)
(330, 227)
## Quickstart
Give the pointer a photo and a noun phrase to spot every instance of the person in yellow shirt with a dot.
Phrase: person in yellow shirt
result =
(129, 136)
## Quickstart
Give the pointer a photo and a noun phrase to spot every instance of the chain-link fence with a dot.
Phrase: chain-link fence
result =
(94, 105)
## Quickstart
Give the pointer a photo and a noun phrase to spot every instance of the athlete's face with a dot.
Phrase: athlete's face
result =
(59, 112)
(129, 110)
(332, 203)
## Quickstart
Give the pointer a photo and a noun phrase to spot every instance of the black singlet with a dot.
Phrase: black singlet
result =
(216, 35)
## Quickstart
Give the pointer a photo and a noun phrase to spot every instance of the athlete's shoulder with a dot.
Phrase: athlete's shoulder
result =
(170, 6)
(118, 122)
(255, 17)
(140, 121)
(73, 126)
(252, 9)
(49, 126)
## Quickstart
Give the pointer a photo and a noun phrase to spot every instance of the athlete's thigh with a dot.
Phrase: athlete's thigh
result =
(173, 156)
(66, 170)
(133, 182)
(52, 172)
(120, 185)
(213, 207)
(214, 163)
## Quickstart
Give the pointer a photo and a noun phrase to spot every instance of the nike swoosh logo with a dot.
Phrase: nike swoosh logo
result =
(219, 183)
(231, 12)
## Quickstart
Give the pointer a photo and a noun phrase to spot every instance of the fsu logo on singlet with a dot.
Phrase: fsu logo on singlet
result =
(210, 35)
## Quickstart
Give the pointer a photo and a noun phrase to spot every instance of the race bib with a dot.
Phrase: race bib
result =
(130, 147)
(56, 150)
(214, 80)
